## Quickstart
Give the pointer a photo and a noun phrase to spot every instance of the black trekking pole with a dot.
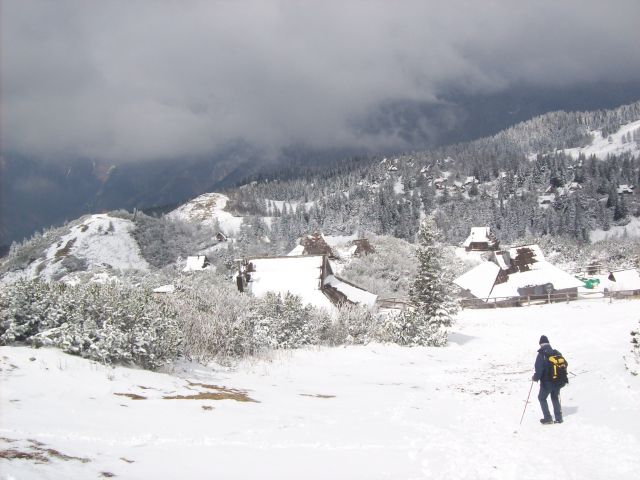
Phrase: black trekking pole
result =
(527, 402)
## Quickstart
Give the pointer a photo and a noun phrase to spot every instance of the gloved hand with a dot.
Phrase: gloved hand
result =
(533, 378)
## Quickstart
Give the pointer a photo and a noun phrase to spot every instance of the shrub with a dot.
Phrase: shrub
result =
(110, 323)
(354, 325)
(633, 358)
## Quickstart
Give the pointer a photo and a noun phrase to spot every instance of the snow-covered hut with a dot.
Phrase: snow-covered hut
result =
(481, 239)
(363, 247)
(627, 281)
(470, 181)
(316, 244)
(625, 189)
(310, 277)
(440, 183)
(197, 263)
(165, 289)
(546, 200)
(520, 271)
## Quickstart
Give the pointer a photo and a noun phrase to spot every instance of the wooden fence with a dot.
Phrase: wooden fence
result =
(527, 300)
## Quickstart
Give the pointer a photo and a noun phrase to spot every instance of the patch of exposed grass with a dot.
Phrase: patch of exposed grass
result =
(132, 396)
(317, 395)
(40, 267)
(217, 393)
(37, 452)
(64, 251)
(56, 454)
(15, 454)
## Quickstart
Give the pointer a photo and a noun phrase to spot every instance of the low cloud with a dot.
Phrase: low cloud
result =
(144, 80)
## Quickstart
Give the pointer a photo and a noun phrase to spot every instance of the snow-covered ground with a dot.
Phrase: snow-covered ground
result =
(291, 206)
(99, 240)
(374, 412)
(631, 230)
(208, 208)
(612, 145)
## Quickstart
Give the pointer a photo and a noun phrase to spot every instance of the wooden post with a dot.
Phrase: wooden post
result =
(495, 303)
(548, 298)
(528, 300)
(567, 298)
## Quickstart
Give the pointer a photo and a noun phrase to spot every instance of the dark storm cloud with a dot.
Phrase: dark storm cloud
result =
(138, 80)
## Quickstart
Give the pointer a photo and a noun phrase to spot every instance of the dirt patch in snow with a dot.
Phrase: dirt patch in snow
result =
(132, 396)
(64, 251)
(37, 452)
(216, 393)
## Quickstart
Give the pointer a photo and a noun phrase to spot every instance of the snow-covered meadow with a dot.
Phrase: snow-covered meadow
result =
(378, 411)
(614, 144)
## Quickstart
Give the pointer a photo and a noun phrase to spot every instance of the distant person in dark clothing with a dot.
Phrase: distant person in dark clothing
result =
(547, 387)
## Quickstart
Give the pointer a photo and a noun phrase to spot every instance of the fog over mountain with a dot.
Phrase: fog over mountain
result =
(175, 84)
(127, 81)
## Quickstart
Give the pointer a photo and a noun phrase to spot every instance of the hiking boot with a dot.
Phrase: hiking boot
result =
(546, 421)
(558, 421)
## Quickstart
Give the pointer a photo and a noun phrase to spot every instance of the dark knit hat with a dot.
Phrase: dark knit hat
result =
(543, 339)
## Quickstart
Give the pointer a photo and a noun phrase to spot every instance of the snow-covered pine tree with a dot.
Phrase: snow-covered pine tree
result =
(431, 307)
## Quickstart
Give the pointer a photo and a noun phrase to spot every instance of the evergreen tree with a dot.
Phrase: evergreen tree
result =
(431, 307)
(621, 210)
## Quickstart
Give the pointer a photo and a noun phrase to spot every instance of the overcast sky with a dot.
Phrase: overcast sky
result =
(138, 80)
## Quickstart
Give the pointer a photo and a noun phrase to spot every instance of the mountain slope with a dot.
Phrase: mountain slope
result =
(94, 243)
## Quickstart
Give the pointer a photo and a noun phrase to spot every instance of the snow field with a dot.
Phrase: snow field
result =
(602, 147)
(631, 230)
(378, 411)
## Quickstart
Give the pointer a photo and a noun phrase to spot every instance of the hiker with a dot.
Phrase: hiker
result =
(549, 384)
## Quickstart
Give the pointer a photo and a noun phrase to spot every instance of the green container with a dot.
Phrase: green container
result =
(589, 282)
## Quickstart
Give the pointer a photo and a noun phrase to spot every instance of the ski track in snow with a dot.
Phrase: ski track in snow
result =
(378, 411)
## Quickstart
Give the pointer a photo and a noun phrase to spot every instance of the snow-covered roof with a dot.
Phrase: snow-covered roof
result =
(479, 235)
(354, 294)
(479, 281)
(522, 266)
(621, 280)
(196, 263)
(296, 275)
(545, 199)
(165, 289)
(526, 253)
(543, 273)
(297, 250)
(624, 188)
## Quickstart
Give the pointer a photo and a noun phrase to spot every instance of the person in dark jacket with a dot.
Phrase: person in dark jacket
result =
(546, 385)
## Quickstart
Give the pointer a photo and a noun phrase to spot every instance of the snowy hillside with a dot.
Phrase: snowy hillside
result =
(207, 209)
(631, 230)
(622, 141)
(95, 242)
(371, 412)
